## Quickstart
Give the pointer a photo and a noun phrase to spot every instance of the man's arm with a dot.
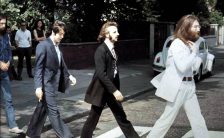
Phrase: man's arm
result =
(182, 60)
(39, 65)
(67, 74)
(4, 66)
(17, 39)
(29, 38)
(101, 66)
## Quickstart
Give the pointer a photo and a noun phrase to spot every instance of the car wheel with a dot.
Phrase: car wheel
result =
(198, 76)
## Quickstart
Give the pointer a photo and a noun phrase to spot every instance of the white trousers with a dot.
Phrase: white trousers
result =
(187, 98)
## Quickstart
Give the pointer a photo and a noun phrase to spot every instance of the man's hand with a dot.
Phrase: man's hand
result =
(39, 93)
(13, 47)
(72, 79)
(193, 46)
(4, 66)
(119, 97)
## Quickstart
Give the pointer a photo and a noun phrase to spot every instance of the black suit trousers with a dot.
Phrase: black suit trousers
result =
(27, 53)
(49, 108)
(119, 114)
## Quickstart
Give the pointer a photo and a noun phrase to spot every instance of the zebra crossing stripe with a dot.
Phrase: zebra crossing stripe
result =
(143, 131)
(212, 134)
(117, 133)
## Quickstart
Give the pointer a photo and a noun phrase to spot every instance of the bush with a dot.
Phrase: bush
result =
(216, 17)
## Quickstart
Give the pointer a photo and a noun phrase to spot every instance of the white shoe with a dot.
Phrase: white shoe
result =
(15, 130)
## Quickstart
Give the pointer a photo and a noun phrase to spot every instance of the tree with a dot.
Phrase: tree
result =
(27, 10)
(216, 17)
(173, 10)
(220, 6)
(85, 17)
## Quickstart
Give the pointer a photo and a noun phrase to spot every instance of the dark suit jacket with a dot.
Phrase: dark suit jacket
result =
(47, 67)
(103, 81)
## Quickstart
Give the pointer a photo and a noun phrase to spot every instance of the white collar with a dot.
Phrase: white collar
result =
(109, 44)
(51, 37)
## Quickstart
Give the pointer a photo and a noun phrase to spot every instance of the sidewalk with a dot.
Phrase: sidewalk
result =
(135, 79)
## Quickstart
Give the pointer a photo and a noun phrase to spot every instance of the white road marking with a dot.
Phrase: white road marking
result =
(117, 133)
(212, 134)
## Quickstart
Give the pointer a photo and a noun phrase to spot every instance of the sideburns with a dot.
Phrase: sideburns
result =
(110, 38)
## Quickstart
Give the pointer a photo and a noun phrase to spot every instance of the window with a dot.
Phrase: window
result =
(169, 43)
(201, 46)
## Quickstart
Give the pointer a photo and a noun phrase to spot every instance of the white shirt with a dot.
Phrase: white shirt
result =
(57, 50)
(23, 38)
(109, 45)
(111, 48)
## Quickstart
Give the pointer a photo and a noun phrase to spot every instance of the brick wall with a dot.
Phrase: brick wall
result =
(81, 55)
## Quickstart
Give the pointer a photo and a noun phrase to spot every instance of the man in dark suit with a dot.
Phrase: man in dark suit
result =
(105, 85)
(51, 75)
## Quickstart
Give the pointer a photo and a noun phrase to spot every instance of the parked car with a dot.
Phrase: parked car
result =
(204, 66)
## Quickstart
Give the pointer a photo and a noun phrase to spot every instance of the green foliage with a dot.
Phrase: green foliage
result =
(24, 10)
(216, 17)
(220, 6)
(84, 18)
(202, 9)
(10, 10)
(149, 12)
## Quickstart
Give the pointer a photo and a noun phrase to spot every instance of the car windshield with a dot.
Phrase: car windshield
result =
(165, 50)
(169, 43)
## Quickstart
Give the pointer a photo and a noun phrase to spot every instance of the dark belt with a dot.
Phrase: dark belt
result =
(187, 79)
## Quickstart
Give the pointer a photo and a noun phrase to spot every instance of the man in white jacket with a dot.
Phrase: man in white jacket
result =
(176, 84)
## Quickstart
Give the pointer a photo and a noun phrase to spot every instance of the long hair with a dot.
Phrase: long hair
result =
(36, 25)
(104, 31)
(182, 30)
(3, 17)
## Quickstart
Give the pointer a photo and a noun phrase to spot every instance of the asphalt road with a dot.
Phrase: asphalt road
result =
(145, 109)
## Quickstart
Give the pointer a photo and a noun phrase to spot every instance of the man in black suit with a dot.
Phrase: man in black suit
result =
(51, 75)
(105, 85)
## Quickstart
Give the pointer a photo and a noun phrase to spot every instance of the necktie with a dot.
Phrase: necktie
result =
(113, 53)
(115, 64)
(58, 54)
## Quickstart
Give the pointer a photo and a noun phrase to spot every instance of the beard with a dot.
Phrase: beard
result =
(193, 36)
(113, 40)
(2, 31)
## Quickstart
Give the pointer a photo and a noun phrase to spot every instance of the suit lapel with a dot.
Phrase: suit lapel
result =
(108, 51)
(54, 53)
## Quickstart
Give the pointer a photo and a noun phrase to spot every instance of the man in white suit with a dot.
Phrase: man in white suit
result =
(176, 84)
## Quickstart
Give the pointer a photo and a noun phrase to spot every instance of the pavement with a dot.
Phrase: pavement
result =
(135, 79)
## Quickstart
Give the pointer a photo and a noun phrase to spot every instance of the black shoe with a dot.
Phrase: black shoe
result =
(30, 76)
(19, 78)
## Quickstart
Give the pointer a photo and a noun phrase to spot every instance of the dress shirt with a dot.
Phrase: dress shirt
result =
(23, 38)
(57, 50)
(111, 48)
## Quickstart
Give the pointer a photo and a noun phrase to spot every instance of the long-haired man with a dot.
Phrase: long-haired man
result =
(176, 84)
